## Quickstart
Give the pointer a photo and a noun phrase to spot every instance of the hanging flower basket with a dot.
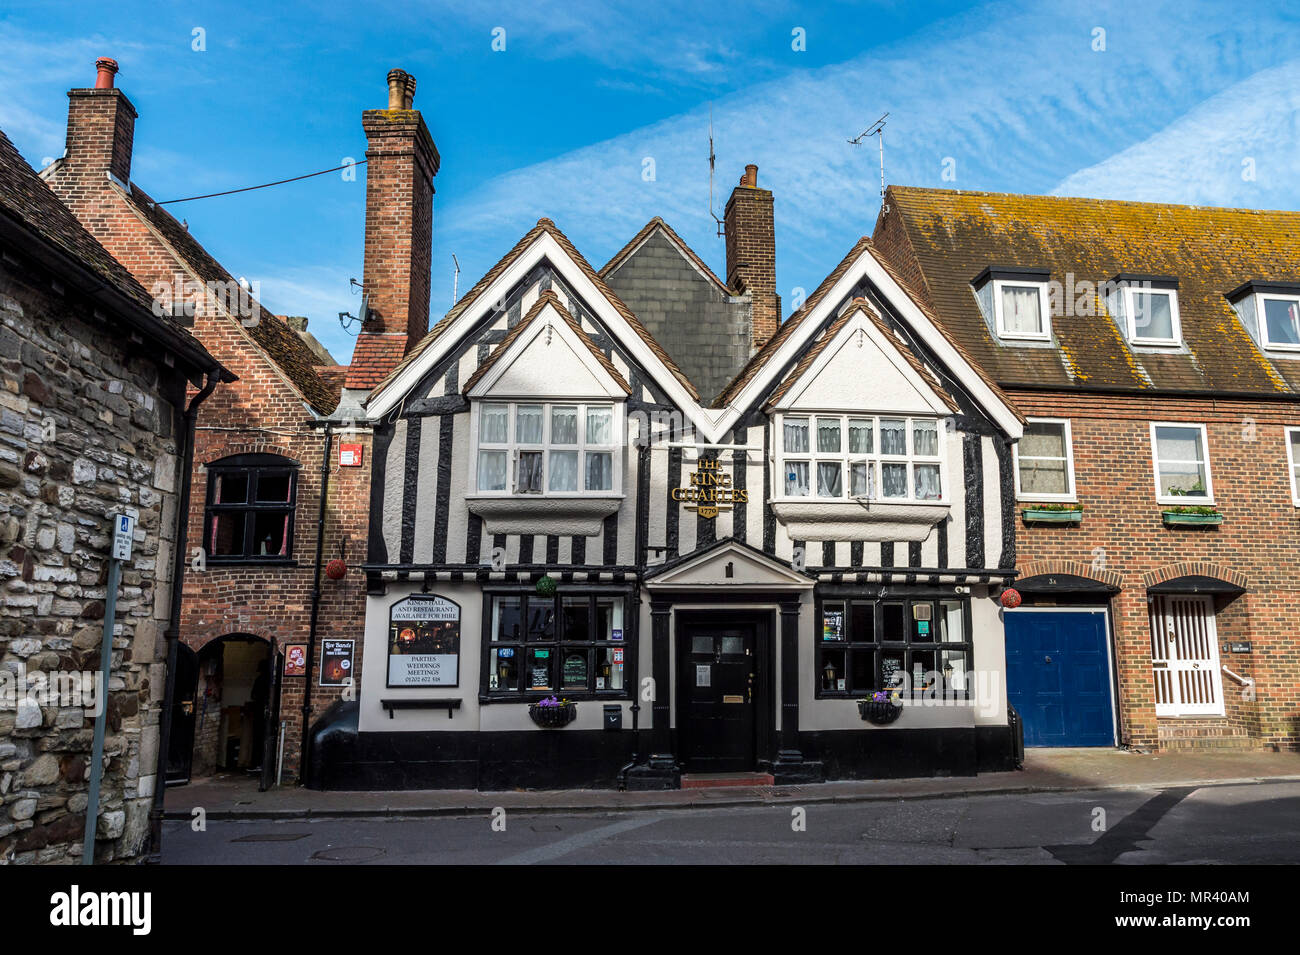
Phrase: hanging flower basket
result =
(545, 586)
(881, 708)
(552, 713)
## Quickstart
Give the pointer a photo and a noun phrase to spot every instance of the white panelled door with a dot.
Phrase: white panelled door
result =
(1185, 656)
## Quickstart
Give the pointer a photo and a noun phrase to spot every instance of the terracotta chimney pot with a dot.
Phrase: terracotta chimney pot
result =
(105, 67)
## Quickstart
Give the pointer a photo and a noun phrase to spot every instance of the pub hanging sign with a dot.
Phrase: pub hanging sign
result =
(424, 642)
(710, 490)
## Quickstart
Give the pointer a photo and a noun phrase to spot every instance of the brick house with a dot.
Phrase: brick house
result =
(266, 443)
(1154, 350)
(94, 421)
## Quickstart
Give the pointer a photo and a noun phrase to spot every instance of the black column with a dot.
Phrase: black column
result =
(661, 740)
(790, 765)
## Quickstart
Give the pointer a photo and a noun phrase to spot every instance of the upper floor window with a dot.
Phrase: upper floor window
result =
(548, 448)
(1293, 462)
(1045, 461)
(1182, 464)
(249, 512)
(1152, 315)
(1279, 324)
(1271, 312)
(839, 457)
(1016, 302)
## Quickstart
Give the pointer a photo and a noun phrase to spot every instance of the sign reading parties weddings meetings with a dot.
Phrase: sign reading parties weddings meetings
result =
(424, 642)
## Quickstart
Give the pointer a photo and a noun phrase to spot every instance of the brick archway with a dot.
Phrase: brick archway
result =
(1193, 568)
(1076, 568)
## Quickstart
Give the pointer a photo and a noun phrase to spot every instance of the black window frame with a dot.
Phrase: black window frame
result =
(254, 467)
(878, 646)
(558, 643)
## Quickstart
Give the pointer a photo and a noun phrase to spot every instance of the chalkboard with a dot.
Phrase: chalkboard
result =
(891, 669)
(575, 669)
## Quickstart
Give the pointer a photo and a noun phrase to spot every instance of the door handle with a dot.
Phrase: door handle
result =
(1047, 659)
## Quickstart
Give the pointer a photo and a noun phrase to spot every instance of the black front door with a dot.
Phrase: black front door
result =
(715, 695)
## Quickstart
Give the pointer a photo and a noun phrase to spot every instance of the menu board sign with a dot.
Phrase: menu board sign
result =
(424, 642)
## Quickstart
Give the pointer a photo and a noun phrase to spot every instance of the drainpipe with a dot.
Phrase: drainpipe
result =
(642, 519)
(172, 636)
(315, 601)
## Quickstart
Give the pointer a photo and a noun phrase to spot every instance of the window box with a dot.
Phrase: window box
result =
(1048, 514)
(880, 712)
(1198, 515)
(553, 716)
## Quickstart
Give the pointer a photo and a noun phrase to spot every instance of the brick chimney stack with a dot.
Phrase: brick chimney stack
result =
(101, 128)
(401, 163)
(751, 252)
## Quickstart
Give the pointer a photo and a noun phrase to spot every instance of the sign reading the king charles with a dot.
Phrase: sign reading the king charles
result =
(424, 642)
(710, 490)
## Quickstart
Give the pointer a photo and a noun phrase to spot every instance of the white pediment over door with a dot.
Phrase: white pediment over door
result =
(728, 565)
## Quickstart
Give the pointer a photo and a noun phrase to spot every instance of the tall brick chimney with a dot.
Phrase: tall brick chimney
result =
(751, 252)
(101, 128)
(401, 163)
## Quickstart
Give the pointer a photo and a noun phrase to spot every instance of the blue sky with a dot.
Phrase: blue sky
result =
(1178, 102)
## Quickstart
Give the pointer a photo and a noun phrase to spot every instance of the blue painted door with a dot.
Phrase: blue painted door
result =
(1058, 678)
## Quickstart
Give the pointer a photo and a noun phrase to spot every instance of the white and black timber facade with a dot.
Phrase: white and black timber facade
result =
(704, 585)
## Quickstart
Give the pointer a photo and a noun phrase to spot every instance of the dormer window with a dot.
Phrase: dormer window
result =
(1271, 312)
(1147, 307)
(1018, 301)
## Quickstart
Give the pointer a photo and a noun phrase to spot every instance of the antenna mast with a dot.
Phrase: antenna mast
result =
(876, 129)
(712, 161)
(455, 280)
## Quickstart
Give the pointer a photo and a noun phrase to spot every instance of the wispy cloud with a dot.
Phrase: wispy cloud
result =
(1006, 98)
(1235, 149)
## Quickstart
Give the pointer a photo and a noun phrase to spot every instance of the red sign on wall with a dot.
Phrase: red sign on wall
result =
(349, 455)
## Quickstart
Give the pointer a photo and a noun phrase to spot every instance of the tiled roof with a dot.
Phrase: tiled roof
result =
(548, 297)
(280, 342)
(26, 199)
(949, 237)
(828, 335)
(657, 223)
(32, 205)
(547, 226)
(372, 356)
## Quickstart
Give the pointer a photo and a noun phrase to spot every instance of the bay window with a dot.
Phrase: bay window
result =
(859, 457)
(572, 645)
(867, 644)
(545, 448)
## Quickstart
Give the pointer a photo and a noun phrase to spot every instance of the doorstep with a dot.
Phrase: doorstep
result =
(721, 780)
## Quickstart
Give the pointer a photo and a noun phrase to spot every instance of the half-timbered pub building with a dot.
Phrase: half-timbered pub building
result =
(627, 526)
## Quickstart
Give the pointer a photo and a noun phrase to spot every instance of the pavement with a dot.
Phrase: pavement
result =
(232, 797)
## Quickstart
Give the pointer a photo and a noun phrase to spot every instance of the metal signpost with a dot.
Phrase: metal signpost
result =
(123, 535)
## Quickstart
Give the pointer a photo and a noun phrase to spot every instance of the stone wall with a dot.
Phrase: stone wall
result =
(86, 430)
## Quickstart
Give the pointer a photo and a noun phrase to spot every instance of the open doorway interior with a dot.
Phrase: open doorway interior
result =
(233, 687)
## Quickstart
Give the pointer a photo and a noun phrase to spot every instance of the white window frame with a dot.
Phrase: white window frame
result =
(1071, 495)
(1261, 320)
(1182, 499)
(1044, 311)
(1130, 315)
(512, 447)
(1291, 464)
(874, 459)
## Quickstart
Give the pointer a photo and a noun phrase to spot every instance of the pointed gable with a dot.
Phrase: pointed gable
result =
(543, 242)
(547, 353)
(731, 564)
(860, 362)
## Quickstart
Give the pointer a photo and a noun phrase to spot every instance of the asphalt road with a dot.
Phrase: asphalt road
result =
(1240, 824)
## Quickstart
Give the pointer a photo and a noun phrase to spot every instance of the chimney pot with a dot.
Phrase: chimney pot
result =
(750, 178)
(105, 67)
(401, 89)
